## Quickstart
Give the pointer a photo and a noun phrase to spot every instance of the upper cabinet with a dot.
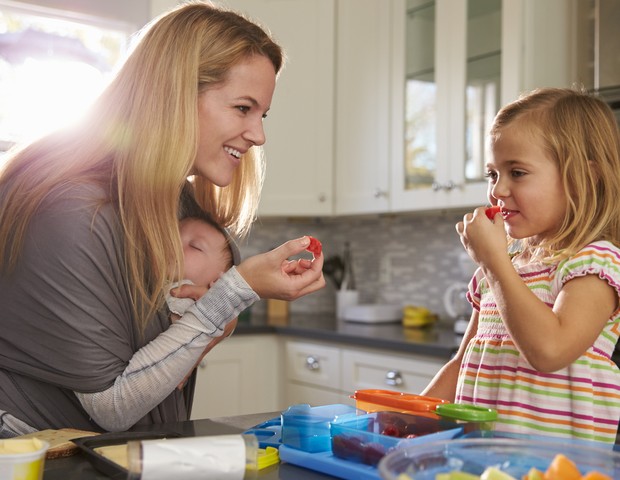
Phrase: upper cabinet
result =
(384, 106)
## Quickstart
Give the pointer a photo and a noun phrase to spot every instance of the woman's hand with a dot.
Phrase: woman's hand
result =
(273, 275)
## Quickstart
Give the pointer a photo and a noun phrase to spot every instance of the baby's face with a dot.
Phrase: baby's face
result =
(205, 251)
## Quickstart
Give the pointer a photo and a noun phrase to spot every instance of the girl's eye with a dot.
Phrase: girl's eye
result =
(195, 247)
(243, 108)
(492, 176)
(517, 173)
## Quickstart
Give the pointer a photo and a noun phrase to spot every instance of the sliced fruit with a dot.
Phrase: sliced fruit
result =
(534, 474)
(562, 468)
(594, 475)
(315, 246)
(493, 473)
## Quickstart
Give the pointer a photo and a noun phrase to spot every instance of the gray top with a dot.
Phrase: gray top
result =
(67, 326)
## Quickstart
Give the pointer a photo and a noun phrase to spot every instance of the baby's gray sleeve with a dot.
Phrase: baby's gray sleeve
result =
(156, 369)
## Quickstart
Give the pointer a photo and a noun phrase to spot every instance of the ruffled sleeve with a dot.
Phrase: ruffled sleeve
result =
(598, 258)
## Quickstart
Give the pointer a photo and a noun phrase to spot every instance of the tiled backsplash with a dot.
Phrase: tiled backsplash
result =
(401, 259)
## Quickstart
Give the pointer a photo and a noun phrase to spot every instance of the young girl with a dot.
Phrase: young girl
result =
(545, 322)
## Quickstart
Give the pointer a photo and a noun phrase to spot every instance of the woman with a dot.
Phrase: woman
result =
(88, 224)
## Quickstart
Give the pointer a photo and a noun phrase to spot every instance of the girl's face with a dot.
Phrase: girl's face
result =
(230, 118)
(525, 181)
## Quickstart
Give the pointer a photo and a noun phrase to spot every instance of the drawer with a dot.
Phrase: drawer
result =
(406, 373)
(313, 364)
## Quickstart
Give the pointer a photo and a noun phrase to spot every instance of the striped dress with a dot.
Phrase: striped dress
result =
(580, 401)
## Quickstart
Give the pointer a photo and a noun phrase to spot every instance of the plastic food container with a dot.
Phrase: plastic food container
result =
(513, 456)
(470, 417)
(367, 438)
(307, 428)
(373, 400)
(22, 459)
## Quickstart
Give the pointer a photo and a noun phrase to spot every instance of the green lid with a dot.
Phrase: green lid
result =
(469, 413)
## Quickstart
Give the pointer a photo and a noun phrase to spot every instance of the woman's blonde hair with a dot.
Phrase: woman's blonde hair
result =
(580, 133)
(139, 142)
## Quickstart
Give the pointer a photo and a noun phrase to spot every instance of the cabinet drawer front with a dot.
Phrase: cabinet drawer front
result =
(363, 370)
(313, 364)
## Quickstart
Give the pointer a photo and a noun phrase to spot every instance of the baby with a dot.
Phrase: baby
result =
(208, 252)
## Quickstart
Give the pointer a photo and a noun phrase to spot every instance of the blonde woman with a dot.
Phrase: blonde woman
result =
(88, 225)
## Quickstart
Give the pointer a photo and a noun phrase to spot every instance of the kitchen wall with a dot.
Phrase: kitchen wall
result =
(401, 259)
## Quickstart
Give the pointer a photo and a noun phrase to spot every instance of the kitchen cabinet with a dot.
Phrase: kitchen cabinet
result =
(463, 60)
(299, 128)
(240, 375)
(321, 374)
(313, 374)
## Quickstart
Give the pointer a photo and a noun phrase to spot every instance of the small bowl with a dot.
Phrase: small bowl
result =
(513, 456)
(22, 459)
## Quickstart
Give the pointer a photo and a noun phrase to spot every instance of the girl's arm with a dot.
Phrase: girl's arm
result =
(443, 385)
(549, 338)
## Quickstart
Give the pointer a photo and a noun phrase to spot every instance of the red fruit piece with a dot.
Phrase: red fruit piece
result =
(491, 211)
(391, 431)
(315, 246)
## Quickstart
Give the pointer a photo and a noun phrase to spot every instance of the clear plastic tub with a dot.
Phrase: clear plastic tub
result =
(368, 438)
(307, 428)
(22, 459)
(514, 457)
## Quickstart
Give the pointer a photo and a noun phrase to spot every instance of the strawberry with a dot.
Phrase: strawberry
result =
(315, 246)
(492, 211)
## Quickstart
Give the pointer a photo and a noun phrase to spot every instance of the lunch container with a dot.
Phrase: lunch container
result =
(512, 456)
(307, 428)
(22, 459)
(367, 438)
(471, 417)
(375, 400)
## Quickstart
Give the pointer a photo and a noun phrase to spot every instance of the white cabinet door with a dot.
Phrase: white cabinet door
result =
(239, 376)
(312, 373)
(363, 62)
(299, 127)
(369, 369)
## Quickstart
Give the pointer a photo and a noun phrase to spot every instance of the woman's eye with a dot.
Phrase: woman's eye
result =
(243, 108)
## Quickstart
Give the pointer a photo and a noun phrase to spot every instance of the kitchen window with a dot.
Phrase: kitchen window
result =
(53, 64)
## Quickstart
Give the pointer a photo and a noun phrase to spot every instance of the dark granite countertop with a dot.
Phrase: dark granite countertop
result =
(438, 341)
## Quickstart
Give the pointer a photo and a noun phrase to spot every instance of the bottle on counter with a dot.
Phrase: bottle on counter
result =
(347, 295)
(226, 457)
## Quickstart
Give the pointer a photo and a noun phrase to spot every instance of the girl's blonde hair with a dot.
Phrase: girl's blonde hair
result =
(580, 133)
(139, 142)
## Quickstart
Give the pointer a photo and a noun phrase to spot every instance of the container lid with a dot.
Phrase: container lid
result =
(267, 457)
(400, 400)
(469, 413)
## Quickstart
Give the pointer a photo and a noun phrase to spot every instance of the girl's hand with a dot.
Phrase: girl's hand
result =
(484, 239)
(273, 275)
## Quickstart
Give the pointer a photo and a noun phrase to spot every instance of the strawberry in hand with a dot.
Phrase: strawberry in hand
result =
(492, 211)
(315, 246)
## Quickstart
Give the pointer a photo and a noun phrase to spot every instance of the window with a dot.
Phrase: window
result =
(52, 65)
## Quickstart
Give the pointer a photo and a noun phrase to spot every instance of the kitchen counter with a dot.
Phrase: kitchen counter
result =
(437, 341)
(78, 467)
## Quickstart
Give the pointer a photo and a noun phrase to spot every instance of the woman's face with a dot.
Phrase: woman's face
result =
(230, 118)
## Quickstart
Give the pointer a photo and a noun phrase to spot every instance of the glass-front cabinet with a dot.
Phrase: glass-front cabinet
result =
(446, 93)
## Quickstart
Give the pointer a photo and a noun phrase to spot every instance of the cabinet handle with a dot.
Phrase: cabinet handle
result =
(312, 363)
(450, 185)
(202, 364)
(322, 197)
(380, 193)
(393, 378)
